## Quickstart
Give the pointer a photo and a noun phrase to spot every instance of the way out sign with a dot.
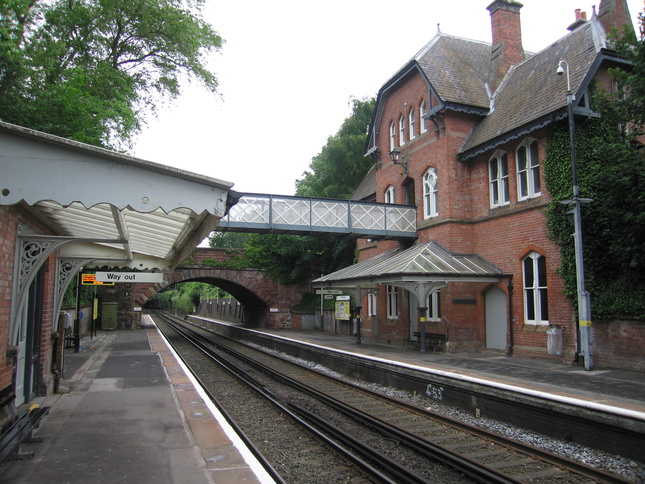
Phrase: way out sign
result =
(150, 277)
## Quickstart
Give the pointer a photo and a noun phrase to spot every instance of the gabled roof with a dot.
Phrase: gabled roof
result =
(426, 262)
(457, 69)
(530, 96)
(532, 92)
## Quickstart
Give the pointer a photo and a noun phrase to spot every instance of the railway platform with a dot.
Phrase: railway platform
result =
(619, 389)
(127, 412)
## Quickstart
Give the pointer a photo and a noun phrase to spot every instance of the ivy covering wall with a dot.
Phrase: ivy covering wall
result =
(611, 171)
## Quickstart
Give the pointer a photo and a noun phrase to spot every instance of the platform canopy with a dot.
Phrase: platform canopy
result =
(422, 269)
(107, 208)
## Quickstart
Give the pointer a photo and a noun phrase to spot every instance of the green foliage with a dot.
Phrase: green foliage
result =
(235, 261)
(632, 80)
(336, 173)
(340, 166)
(86, 296)
(290, 259)
(91, 69)
(184, 297)
(310, 303)
(611, 171)
(228, 240)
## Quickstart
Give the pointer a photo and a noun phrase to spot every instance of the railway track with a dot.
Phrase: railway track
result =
(380, 432)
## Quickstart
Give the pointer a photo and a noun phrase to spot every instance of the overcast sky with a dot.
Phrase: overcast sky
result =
(289, 67)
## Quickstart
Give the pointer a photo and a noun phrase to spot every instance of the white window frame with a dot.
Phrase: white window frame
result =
(434, 307)
(430, 194)
(498, 180)
(528, 170)
(401, 131)
(534, 280)
(422, 112)
(392, 302)
(392, 136)
(371, 304)
(411, 123)
(389, 194)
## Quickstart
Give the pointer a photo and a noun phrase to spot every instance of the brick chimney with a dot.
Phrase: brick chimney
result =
(614, 14)
(507, 49)
(581, 19)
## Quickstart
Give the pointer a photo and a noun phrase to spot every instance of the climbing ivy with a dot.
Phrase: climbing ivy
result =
(611, 171)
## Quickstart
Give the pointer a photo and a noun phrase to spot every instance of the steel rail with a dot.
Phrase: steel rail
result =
(403, 474)
(459, 462)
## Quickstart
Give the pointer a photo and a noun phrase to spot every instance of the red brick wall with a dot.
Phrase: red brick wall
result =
(9, 219)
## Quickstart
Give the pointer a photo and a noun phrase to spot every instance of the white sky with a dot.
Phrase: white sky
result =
(289, 67)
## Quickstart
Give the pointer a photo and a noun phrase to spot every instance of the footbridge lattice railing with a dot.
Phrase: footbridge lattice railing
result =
(262, 213)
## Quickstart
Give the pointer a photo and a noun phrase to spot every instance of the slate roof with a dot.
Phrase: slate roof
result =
(532, 91)
(530, 94)
(457, 69)
(420, 263)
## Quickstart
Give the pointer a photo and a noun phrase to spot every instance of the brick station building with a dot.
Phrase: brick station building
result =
(460, 132)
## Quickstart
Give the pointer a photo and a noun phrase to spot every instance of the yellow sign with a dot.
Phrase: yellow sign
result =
(343, 310)
(90, 280)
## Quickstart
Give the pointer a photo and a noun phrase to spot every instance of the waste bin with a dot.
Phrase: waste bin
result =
(554, 342)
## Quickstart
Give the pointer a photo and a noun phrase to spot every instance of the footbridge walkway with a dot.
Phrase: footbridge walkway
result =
(262, 213)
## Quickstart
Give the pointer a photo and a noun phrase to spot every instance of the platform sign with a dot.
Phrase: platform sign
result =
(343, 307)
(90, 280)
(149, 277)
(329, 291)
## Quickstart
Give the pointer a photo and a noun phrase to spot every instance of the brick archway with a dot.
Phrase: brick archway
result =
(265, 303)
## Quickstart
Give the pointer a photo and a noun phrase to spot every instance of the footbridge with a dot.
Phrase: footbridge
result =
(262, 213)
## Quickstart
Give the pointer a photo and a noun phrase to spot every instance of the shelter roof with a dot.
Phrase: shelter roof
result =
(107, 207)
(427, 262)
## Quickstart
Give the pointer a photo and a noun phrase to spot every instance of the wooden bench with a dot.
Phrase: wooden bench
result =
(18, 426)
(433, 340)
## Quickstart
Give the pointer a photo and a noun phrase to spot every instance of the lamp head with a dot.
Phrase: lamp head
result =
(560, 70)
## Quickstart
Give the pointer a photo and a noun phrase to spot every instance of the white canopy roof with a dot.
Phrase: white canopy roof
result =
(105, 207)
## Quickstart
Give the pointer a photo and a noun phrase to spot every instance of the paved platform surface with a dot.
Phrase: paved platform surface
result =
(620, 389)
(131, 415)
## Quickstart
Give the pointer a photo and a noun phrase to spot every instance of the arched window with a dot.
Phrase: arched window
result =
(411, 122)
(423, 110)
(392, 136)
(389, 195)
(528, 170)
(430, 197)
(401, 131)
(536, 305)
(498, 180)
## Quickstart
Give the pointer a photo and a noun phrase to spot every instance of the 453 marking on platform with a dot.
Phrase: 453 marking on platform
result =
(434, 392)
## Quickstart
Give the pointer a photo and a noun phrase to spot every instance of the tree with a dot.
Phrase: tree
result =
(91, 69)
(336, 173)
(632, 81)
(340, 166)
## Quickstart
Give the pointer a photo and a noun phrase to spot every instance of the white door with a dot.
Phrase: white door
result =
(496, 318)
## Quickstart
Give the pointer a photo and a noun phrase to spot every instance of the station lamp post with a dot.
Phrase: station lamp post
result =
(585, 330)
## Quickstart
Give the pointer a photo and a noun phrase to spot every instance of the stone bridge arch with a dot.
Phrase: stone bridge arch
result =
(265, 303)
